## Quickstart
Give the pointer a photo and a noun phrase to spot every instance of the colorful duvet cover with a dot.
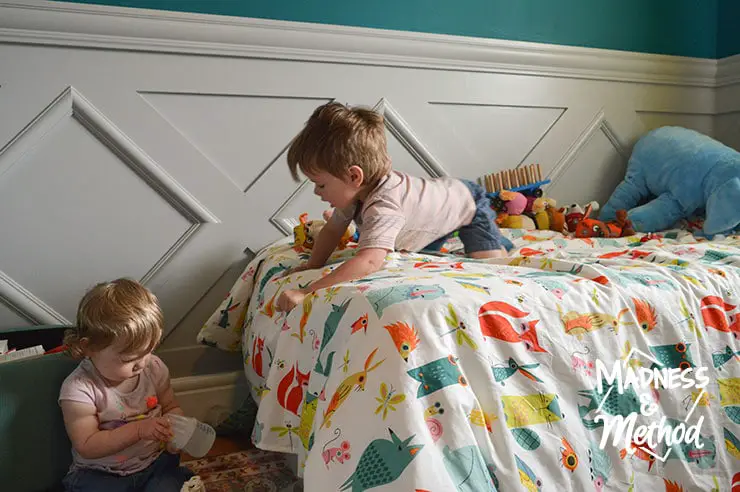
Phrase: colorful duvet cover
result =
(533, 372)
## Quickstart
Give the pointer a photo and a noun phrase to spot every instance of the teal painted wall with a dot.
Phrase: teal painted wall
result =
(672, 27)
(728, 36)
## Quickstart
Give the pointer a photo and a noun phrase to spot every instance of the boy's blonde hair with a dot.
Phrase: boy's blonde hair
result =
(119, 311)
(337, 137)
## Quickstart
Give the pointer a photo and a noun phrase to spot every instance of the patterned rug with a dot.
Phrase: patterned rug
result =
(252, 470)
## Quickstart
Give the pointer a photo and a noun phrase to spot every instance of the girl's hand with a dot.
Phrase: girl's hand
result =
(172, 449)
(289, 299)
(154, 429)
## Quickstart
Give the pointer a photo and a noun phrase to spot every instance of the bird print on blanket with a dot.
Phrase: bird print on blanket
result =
(486, 375)
(701, 452)
(614, 403)
(732, 444)
(721, 358)
(330, 328)
(305, 427)
(527, 477)
(504, 372)
(382, 462)
(405, 338)
(352, 383)
(600, 466)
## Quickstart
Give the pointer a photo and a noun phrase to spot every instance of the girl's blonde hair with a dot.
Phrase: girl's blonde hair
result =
(119, 311)
(337, 137)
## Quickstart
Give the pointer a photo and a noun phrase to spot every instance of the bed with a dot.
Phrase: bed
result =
(439, 373)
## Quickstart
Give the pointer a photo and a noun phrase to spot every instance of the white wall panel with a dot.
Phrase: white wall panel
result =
(160, 153)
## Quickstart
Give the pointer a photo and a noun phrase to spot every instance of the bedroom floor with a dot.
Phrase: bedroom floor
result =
(223, 445)
(234, 464)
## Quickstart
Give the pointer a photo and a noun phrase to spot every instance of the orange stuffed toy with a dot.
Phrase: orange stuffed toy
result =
(557, 219)
(595, 228)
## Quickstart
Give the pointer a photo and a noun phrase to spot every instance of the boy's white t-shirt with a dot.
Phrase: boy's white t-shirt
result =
(114, 409)
(406, 212)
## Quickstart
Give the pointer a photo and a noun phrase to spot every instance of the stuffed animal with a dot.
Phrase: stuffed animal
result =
(510, 202)
(305, 233)
(588, 227)
(510, 206)
(557, 219)
(545, 214)
(574, 213)
(539, 214)
(681, 172)
(531, 200)
(515, 222)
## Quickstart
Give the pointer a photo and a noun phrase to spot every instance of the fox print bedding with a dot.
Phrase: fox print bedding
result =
(573, 364)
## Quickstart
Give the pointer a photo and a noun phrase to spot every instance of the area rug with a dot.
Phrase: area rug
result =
(252, 470)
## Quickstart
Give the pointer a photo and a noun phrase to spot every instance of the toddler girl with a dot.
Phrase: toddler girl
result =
(114, 403)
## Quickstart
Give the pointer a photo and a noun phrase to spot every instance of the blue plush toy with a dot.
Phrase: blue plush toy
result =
(673, 173)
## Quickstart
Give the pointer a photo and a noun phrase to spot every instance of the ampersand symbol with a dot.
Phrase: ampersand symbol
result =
(647, 407)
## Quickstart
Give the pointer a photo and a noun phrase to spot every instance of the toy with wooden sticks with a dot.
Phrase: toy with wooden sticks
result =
(524, 179)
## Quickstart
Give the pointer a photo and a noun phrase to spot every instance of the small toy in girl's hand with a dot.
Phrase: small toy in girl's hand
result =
(305, 233)
(588, 227)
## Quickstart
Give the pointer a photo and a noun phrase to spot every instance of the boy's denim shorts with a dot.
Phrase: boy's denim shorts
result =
(482, 234)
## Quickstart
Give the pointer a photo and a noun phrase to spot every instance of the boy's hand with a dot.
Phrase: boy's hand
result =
(289, 299)
(154, 429)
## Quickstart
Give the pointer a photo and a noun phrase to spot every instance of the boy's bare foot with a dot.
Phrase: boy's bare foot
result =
(491, 253)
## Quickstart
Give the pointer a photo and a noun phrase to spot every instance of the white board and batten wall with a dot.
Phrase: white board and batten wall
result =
(152, 144)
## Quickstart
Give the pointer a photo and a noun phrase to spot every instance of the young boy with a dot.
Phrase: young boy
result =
(343, 152)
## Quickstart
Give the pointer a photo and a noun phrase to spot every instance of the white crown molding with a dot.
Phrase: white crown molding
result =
(728, 71)
(38, 22)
